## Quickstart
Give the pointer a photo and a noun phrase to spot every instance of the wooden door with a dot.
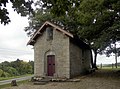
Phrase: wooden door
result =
(50, 65)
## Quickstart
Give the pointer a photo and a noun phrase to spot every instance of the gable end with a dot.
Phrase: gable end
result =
(43, 27)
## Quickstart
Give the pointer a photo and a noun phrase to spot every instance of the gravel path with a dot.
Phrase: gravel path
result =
(98, 80)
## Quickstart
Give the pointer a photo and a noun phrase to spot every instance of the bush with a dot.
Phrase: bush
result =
(16, 68)
(1, 72)
(5, 74)
(12, 71)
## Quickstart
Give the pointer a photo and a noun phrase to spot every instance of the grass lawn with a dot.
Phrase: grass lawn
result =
(100, 79)
(18, 83)
(108, 73)
(110, 68)
(6, 78)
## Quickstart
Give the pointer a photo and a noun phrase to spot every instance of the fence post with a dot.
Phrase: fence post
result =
(112, 65)
(101, 65)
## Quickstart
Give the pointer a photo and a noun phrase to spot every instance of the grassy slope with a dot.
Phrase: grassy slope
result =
(6, 78)
(18, 83)
(110, 68)
(107, 73)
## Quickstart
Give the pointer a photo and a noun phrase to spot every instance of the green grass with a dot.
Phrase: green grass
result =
(106, 74)
(4, 86)
(110, 68)
(6, 78)
(18, 83)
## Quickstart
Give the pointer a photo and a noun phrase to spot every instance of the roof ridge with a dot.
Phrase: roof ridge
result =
(53, 25)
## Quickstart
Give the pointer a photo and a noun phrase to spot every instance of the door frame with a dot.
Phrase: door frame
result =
(50, 65)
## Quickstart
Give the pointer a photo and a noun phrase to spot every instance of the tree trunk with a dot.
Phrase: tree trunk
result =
(95, 58)
(116, 60)
(115, 56)
(91, 58)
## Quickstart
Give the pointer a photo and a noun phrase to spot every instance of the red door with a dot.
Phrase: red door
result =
(50, 65)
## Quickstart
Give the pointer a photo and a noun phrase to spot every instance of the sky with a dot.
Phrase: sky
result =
(13, 40)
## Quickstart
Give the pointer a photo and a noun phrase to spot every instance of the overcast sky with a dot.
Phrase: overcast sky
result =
(13, 40)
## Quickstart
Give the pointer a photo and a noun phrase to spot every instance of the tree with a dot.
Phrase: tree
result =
(20, 6)
(37, 20)
(12, 71)
(113, 49)
(5, 74)
(4, 65)
(100, 23)
(25, 68)
(97, 22)
(69, 20)
(15, 68)
(32, 64)
(22, 67)
(1, 72)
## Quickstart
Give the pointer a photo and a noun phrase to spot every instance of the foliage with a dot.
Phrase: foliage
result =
(112, 49)
(24, 68)
(97, 22)
(37, 20)
(12, 71)
(20, 6)
(32, 64)
(15, 68)
(100, 23)
(1, 72)
(5, 74)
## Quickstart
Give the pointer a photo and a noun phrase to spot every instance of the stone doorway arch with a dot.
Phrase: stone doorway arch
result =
(49, 63)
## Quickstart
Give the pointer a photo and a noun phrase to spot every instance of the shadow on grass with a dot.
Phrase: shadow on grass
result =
(106, 73)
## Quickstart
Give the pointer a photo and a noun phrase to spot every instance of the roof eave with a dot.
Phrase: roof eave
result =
(53, 25)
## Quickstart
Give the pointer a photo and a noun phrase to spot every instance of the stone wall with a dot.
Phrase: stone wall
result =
(75, 60)
(79, 61)
(87, 61)
(59, 46)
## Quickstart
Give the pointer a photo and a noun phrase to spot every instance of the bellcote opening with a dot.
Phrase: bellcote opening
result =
(49, 31)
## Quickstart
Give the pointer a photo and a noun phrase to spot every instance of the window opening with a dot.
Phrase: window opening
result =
(49, 33)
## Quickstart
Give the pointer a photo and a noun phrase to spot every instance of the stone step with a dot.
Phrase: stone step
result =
(45, 80)
(40, 83)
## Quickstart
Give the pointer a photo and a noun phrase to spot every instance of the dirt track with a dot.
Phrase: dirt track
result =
(99, 80)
